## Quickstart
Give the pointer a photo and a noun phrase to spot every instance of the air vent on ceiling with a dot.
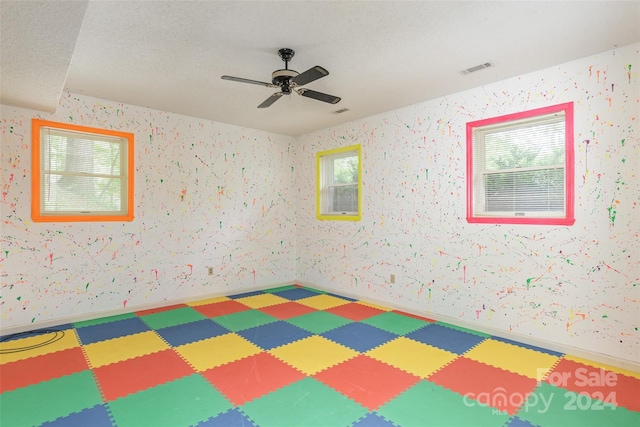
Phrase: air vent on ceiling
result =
(340, 111)
(476, 68)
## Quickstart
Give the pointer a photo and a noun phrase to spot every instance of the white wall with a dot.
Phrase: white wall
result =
(207, 194)
(575, 285)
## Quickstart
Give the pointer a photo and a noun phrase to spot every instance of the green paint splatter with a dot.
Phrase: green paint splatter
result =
(6, 254)
(529, 281)
(19, 298)
(426, 174)
(86, 287)
(622, 142)
(624, 160)
(604, 316)
(161, 180)
(569, 261)
(612, 214)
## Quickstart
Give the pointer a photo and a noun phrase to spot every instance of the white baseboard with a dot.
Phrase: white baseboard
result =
(525, 339)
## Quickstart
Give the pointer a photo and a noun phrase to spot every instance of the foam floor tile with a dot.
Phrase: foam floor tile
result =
(53, 399)
(191, 332)
(598, 365)
(159, 309)
(274, 334)
(207, 301)
(220, 308)
(133, 375)
(22, 373)
(244, 320)
(246, 294)
(416, 358)
(354, 311)
(448, 339)
(322, 302)
(37, 343)
(313, 354)
(460, 328)
(102, 320)
(606, 386)
(97, 416)
(485, 384)
(262, 300)
(107, 331)
(246, 379)
(287, 310)
(177, 316)
(231, 418)
(296, 293)
(373, 420)
(550, 406)
(212, 352)
(520, 360)
(123, 348)
(367, 381)
(415, 316)
(395, 323)
(180, 403)
(427, 404)
(530, 347)
(359, 336)
(318, 321)
(304, 403)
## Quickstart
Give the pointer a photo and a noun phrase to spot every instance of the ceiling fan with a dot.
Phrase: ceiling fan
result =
(290, 80)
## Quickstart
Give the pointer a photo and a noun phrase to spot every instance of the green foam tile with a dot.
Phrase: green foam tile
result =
(395, 323)
(49, 400)
(184, 402)
(176, 316)
(279, 289)
(550, 406)
(427, 404)
(307, 403)
(460, 328)
(244, 320)
(318, 322)
(103, 320)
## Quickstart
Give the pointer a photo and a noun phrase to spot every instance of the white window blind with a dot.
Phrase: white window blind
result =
(340, 178)
(519, 167)
(82, 173)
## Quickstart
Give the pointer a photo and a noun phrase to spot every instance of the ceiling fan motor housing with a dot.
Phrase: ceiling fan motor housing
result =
(282, 78)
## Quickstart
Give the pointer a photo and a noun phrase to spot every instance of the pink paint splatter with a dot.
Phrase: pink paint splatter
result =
(190, 268)
(50, 259)
(124, 303)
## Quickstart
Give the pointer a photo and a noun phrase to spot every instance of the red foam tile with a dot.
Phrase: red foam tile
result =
(287, 310)
(33, 370)
(133, 375)
(254, 376)
(159, 309)
(485, 384)
(415, 316)
(354, 311)
(367, 381)
(598, 383)
(221, 308)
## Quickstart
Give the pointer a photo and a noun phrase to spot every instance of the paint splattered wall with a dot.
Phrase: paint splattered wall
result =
(574, 285)
(207, 195)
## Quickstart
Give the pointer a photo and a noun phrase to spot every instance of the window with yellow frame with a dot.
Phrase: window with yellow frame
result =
(81, 173)
(339, 184)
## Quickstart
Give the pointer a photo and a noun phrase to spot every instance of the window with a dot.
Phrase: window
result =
(81, 173)
(520, 168)
(339, 184)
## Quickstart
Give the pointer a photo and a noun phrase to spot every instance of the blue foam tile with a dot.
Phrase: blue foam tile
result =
(96, 416)
(517, 422)
(373, 420)
(274, 334)
(246, 294)
(342, 297)
(448, 339)
(107, 331)
(230, 418)
(191, 332)
(359, 336)
(530, 347)
(296, 294)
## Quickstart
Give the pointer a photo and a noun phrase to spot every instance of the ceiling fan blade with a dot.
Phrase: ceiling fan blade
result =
(313, 73)
(241, 80)
(270, 100)
(319, 96)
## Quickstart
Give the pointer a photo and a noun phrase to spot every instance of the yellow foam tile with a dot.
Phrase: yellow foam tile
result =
(523, 361)
(379, 307)
(611, 368)
(313, 354)
(411, 356)
(207, 301)
(264, 300)
(216, 351)
(123, 348)
(322, 302)
(37, 345)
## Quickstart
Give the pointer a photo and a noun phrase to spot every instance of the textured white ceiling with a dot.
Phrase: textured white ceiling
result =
(381, 55)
